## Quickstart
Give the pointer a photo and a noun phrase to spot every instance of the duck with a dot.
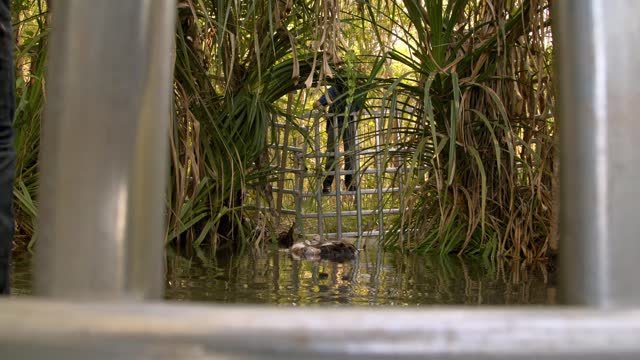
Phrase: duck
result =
(314, 249)
(286, 239)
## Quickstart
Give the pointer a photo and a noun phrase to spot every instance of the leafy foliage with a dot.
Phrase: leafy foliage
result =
(470, 79)
(479, 90)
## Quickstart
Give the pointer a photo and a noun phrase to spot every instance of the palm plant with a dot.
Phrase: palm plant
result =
(30, 32)
(477, 98)
(234, 61)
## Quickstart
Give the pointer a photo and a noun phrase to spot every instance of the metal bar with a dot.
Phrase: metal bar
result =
(356, 178)
(362, 192)
(364, 115)
(391, 170)
(315, 112)
(262, 208)
(365, 234)
(286, 191)
(319, 177)
(402, 178)
(338, 134)
(300, 184)
(287, 147)
(599, 68)
(391, 150)
(349, 213)
(372, 233)
(283, 160)
(379, 176)
(276, 147)
(30, 328)
(105, 150)
(286, 169)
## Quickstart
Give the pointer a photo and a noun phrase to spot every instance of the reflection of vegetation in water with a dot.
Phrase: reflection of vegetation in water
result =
(376, 278)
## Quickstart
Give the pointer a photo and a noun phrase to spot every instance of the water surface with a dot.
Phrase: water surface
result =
(374, 278)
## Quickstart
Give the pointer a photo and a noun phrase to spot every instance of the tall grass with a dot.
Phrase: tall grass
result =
(30, 31)
(478, 96)
(234, 61)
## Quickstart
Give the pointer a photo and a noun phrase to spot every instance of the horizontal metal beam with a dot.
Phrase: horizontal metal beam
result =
(285, 191)
(288, 147)
(362, 191)
(362, 153)
(390, 150)
(30, 328)
(391, 170)
(343, 192)
(365, 234)
(285, 169)
(330, 214)
(351, 213)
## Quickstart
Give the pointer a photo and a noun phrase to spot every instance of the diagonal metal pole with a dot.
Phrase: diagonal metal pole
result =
(104, 149)
(599, 67)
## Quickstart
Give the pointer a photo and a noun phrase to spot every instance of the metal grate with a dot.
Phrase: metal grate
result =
(303, 166)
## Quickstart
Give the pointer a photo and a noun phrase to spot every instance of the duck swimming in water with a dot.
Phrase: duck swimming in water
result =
(314, 249)
(285, 239)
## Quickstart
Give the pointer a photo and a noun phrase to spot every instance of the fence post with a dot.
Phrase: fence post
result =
(357, 178)
(319, 177)
(379, 173)
(599, 72)
(338, 134)
(104, 150)
(300, 176)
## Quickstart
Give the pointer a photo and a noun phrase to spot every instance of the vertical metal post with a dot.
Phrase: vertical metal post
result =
(403, 176)
(599, 68)
(402, 173)
(319, 177)
(104, 149)
(379, 175)
(299, 176)
(337, 136)
(283, 161)
(356, 178)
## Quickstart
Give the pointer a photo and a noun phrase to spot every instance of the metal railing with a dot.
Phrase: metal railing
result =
(109, 219)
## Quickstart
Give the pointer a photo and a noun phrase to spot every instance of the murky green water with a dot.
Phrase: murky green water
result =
(375, 278)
